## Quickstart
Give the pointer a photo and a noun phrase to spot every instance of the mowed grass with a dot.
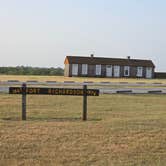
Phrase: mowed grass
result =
(76, 79)
(121, 130)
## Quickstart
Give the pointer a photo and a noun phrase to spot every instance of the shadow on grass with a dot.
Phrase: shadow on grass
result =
(68, 119)
(64, 119)
(10, 119)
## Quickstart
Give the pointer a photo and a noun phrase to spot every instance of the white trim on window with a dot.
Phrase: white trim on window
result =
(98, 70)
(116, 71)
(139, 71)
(148, 72)
(74, 69)
(108, 70)
(84, 69)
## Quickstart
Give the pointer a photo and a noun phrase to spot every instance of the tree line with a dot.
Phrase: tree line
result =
(22, 70)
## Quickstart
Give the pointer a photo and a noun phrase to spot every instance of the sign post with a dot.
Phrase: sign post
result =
(84, 117)
(24, 101)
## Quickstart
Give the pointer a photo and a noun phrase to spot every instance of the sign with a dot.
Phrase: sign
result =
(24, 90)
(54, 91)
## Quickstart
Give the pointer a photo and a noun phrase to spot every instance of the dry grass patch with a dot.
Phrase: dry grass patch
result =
(77, 79)
(122, 130)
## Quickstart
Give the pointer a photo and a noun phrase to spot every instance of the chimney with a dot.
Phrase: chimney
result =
(92, 55)
(128, 57)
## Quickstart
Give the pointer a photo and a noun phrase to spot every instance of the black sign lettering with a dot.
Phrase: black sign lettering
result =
(54, 91)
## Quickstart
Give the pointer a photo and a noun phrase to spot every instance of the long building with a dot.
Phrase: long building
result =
(80, 66)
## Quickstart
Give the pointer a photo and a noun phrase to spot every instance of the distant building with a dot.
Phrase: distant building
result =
(108, 67)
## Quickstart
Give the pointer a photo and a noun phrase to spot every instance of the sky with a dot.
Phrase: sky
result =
(42, 32)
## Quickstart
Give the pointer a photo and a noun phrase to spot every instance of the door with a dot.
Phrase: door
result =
(108, 71)
(116, 71)
(74, 69)
(148, 72)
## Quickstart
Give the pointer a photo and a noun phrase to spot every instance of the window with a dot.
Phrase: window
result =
(116, 71)
(84, 69)
(148, 72)
(139, 71)
(126, 71)
(108, 70)
(98, 70)
(74, 69)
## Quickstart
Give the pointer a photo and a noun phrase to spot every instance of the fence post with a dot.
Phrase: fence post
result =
(24, 87)
(84, 103)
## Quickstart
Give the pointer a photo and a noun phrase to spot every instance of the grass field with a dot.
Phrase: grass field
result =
(121, 130)
(77, 79)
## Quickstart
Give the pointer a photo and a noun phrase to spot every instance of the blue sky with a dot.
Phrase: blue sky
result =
(43, 32)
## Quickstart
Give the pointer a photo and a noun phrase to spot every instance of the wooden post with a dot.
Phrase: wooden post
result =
(84, 103)
(24, 101)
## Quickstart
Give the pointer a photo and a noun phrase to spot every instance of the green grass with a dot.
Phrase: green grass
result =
(121, 130)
